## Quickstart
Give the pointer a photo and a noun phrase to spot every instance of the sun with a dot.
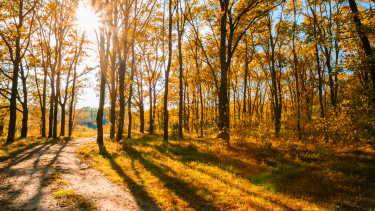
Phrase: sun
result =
(87, 20)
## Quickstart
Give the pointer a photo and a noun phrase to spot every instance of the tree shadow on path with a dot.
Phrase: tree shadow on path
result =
(189, 193)
(145, 201)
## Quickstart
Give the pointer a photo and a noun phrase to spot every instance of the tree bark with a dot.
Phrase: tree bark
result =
(13, 96)
(57, 94)
(201, 96)
(142, 117)
(1, 127)
(113, 94)
(52, 100)
(364, 39)
(131, 93)
(224, 67)
(180, 121)
(245, 81)
(25, 113)
(122, 70)
(103, 76)
(166, 116)
(151, 127)
(71, 108)
(62, 126)
(296, 75)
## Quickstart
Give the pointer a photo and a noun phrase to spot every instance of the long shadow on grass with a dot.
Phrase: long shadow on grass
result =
(37, 149)
(193, 155)
(133, 186)
(176, 185)
(329, 179)
(284, 206)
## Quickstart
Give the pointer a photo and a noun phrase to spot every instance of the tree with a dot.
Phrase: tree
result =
(364, 39)
(17, 26)
(166, 73)
(229, 28)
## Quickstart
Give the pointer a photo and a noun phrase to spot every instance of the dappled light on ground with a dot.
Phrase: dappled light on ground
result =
(203, 174)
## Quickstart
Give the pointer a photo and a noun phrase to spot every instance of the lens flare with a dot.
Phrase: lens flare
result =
(87, 19)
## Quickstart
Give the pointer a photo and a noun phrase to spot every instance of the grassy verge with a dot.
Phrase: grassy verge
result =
(23, 144)
(203, 174)
(29, 142)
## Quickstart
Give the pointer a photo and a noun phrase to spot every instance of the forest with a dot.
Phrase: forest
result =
(201, 105)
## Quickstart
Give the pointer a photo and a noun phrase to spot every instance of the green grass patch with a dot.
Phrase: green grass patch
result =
(64, 194)
(72, 201)
(62, 182)
(23, 144)
(200, 174)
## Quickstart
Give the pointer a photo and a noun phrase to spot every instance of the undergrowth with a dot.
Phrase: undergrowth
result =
(22, 144)
(204, 174)
(32, 141)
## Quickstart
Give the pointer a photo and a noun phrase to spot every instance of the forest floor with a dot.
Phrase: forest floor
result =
(52, 177)
(253, 174)
(146, 173)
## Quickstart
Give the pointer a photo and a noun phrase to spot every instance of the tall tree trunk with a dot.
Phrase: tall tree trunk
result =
(13, 96)
(72, 104)
(224, 70)
(132, 73)
(131, 93)
(103, 76)
(1, 126)
(44, 104)
(179, 31)
(113, 74)
(365, 41)
(122, 70)
(113, 95)
(296, 75)
(142, 117)
(245, 81)
(141, 105)
(52, 100)
(63, 112)
(25, 113)
(151, 127)
(121, 120)
(320, 81)
(201, 96)
(57, 94)
(275, 91)
(188, 110)
(327, 53)
(166, 115)
(154, 109)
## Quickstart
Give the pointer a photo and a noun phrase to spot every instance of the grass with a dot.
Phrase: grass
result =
(204, 174)
(68, 198)
(72, 201)
(63, 193)
(63, 182)
(54, 176)
(32, 141)
(23, 144)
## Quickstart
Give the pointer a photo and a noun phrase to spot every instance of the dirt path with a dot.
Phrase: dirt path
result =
(25, 181)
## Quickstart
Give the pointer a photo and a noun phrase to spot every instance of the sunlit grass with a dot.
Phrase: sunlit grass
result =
(22, 144)
(31, 141)
(63, 193)
(204, 174)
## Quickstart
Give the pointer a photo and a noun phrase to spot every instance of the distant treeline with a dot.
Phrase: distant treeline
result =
(87, 117)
